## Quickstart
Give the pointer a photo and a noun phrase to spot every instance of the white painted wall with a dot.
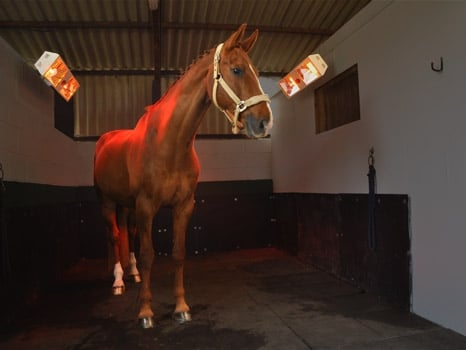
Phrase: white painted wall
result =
(416, 121)
(33, 151)
(231, 160)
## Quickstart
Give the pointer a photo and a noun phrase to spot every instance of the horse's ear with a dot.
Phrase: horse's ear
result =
(234, 40)
(248, 43)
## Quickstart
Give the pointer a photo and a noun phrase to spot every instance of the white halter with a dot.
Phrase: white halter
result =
(240, 105)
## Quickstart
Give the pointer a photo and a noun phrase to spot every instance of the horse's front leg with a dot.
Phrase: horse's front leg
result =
(181, 215)
(145, 212)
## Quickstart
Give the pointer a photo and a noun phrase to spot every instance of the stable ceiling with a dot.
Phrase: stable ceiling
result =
(126, 37)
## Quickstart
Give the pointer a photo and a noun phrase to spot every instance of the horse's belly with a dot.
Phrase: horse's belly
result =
(112, 179)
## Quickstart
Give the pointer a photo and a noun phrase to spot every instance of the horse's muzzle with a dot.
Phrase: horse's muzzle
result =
(257, 127)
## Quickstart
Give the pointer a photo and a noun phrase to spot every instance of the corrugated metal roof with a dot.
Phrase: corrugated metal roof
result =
(117, 36)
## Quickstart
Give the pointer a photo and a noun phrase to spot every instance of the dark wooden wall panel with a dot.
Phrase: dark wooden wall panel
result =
(38, 244)
(318, 230)
(331, 232)
(356, 264)
(92, 235)
(286, 217)
(385, 269)
(394, 247)
(220, 223)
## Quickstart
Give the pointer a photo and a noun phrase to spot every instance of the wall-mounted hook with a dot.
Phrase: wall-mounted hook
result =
(437, 69)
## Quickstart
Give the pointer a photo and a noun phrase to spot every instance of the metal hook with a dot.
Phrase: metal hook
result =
(435, 69)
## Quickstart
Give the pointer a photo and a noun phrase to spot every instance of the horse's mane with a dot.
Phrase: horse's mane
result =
(201, 56)
(180, 77)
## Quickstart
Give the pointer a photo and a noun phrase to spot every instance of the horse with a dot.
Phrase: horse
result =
(155, 164)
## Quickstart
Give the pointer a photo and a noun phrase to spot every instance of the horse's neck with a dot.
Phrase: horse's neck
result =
(176, 117)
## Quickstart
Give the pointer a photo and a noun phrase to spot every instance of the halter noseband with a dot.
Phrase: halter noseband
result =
(240, 105)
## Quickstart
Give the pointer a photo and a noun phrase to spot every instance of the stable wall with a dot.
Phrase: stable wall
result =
(31, 150)
(415, 120)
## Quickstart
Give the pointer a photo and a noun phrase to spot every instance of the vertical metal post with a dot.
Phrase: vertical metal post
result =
(156, 15)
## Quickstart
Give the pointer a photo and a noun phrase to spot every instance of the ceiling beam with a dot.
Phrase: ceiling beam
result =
(54, 25)
(156, 14)
(135, 71)
(163, 72)
(232, 27)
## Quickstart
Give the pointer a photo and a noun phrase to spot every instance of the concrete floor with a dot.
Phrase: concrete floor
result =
(250, 299)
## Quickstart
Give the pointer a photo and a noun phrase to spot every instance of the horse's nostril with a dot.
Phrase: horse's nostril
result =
(256, 126)
(263, 124)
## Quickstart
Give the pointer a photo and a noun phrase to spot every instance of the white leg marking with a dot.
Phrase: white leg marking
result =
(132, 261)
(118, 274)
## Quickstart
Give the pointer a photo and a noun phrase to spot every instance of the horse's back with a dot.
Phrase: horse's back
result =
(116, 137)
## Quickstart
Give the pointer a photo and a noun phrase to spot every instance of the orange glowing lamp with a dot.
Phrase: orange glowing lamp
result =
(55, 72)
(309, 70)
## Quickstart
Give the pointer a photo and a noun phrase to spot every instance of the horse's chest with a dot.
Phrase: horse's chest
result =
(168, 178)
(175, 188)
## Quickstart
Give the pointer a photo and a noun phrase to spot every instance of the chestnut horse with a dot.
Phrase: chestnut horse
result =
(155, 164)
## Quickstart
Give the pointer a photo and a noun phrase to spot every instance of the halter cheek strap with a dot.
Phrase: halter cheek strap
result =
(240, 105)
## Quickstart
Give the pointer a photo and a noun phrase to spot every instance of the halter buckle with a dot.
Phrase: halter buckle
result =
(241, 106)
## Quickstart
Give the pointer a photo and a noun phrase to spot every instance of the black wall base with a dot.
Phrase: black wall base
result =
(46, 229)
(332, 234)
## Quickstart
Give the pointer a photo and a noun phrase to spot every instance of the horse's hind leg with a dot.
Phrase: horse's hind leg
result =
(109, 214)
(133, 270)
(181, 215)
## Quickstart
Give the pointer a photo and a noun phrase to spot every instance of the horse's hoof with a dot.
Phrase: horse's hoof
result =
(137, 278)
(118, 290)
(182, 317)
(146, 322)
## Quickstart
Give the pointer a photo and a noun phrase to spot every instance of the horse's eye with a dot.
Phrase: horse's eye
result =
(237, 71)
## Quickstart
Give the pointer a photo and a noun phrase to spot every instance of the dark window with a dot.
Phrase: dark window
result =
(64, 115)
(337, 101)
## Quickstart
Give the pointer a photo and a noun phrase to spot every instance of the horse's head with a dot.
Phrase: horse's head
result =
(235, 86)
